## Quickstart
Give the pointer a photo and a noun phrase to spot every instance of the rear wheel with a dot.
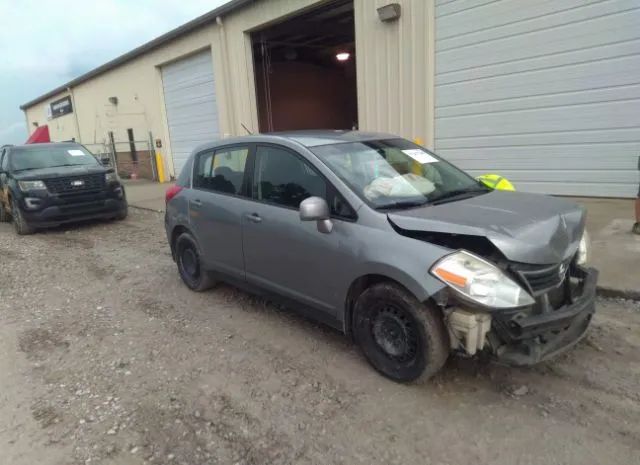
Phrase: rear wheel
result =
(20, 224)
(402, 338)
(190, 264)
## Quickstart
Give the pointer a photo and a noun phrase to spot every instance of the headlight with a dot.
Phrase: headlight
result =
(583, 249)
(480, 281)
(111, 176)
(31, 185)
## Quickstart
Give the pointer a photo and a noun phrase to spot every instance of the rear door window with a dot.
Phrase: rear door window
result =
(221, 170)
(184, 180)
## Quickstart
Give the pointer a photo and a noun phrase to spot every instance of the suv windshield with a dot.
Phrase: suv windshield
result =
(33, 158)
(396, 173)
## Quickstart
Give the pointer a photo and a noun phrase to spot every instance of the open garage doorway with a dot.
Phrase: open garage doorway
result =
(305, 70)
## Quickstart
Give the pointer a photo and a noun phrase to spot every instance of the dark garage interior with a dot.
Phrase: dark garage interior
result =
(306, 70)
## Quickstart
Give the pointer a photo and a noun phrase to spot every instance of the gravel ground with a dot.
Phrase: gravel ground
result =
(105, 357)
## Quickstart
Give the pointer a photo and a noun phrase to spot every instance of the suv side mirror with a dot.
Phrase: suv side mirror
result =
(316, 209)
(105, 161)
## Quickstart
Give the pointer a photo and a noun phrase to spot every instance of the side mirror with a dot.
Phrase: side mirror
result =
(316, 209)
(105, 161)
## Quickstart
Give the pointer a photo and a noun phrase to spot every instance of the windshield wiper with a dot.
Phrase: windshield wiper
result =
(402, 204)
(458, 193)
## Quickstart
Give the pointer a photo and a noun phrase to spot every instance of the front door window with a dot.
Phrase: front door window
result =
(284, 179)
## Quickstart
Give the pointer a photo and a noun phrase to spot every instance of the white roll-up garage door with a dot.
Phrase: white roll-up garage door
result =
(544, 92)
(190, 102)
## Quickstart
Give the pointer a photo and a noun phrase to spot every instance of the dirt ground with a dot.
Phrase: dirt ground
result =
(106, 358)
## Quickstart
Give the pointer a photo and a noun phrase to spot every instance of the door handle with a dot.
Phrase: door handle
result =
(196, 202)
(253, 217)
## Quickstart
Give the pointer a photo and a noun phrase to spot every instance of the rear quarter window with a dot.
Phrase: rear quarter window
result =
(184, 179)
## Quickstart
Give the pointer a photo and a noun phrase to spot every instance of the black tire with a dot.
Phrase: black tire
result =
(402, 338)
(190, 265)
(5, 217)
(21, 226)
(122, 214)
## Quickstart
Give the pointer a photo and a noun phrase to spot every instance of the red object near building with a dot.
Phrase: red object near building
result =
(39, 136)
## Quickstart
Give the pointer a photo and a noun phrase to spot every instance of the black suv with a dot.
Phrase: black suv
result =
(43, 185)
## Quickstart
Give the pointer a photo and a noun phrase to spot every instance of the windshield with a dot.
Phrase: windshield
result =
(396, 173)
(33, 158)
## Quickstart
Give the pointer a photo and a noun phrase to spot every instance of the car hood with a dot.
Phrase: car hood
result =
(58, 171)
(526, 228)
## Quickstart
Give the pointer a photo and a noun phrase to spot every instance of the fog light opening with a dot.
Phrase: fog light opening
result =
(32, 203)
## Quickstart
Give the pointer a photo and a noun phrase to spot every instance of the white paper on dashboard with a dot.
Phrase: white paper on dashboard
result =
(420, 156)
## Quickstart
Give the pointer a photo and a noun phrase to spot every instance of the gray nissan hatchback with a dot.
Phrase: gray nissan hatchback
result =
(387, 242)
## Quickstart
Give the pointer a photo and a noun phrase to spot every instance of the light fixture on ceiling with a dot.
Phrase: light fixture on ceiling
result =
(343, 56)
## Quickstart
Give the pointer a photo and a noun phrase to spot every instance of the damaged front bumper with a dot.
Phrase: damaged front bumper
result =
(520, 339)
(526, 336)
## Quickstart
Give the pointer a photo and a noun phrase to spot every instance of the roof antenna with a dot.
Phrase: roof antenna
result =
(245, 128)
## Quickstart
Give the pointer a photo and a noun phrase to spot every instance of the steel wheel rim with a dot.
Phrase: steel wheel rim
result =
(394, 332)
(190, 263)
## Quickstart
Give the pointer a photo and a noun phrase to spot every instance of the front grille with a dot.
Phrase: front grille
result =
(73, 184)
(540, 279)
(87, 207)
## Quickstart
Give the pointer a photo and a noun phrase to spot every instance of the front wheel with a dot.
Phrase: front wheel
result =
(122, 214)
(5, 217)
(20, 224)
(402, 338)
(190, 264)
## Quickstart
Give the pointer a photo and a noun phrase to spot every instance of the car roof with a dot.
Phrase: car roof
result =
(312, 138)
(44, 145)
(307, 138)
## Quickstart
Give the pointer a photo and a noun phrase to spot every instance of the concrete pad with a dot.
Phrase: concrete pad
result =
(615, 250)
(146, 194)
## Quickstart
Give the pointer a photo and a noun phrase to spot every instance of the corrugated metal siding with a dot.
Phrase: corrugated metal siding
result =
(395, 69)
(546, 93)
(190, 102)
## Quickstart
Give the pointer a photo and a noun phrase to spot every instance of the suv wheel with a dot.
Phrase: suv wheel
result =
(22, 227)
(402, 338)
(5, 217)
(189, 264)
(122, 214)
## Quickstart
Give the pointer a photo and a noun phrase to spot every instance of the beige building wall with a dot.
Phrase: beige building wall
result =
(394, 66)
(137, 85)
